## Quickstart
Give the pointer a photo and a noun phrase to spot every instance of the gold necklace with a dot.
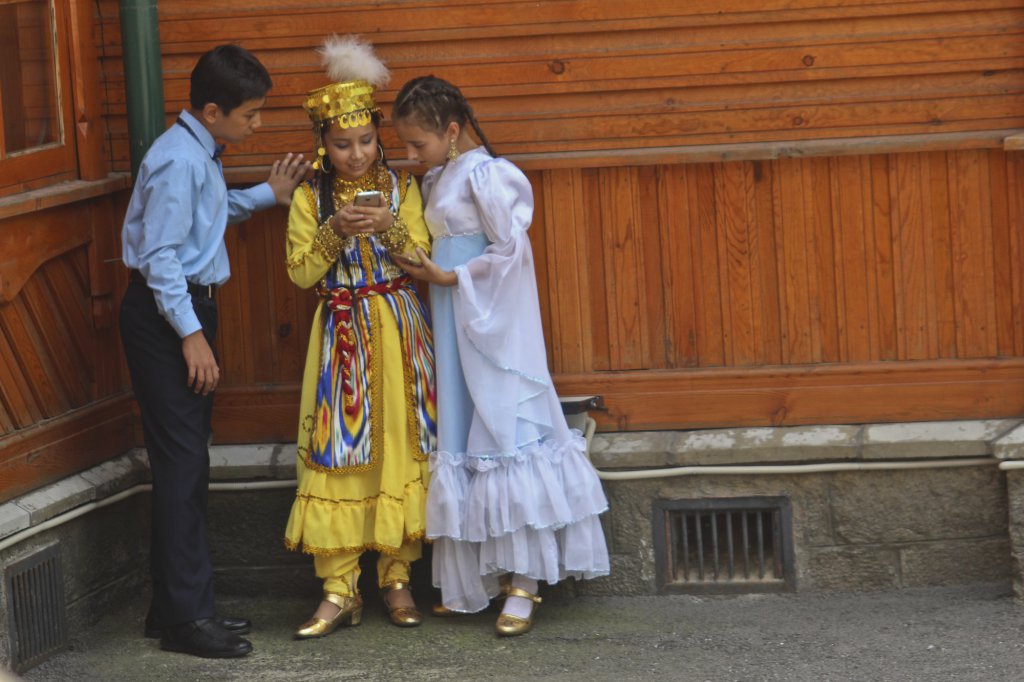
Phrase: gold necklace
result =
(377, 178)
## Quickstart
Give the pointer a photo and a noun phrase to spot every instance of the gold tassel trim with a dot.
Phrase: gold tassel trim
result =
(293, 546)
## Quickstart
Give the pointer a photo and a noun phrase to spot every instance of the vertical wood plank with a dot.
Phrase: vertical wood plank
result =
(233, 300)
(1015, 210)
(941, 241)
(565, 248)
(928, 252)
(85, 66)
(259, 322)
(764, 273)
(597, 252)
(880, 229)
(986, 253)
(849, 194)
(708, 296)
(825, 314)
(652, 261)
(733, 191)
(910, 260)
(676, 231)
(791, 243)
(1003, 267)
(971, 255)
(290, 326)
(623, 262)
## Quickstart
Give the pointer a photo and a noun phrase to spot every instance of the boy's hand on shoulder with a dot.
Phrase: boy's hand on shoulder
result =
(285, 176)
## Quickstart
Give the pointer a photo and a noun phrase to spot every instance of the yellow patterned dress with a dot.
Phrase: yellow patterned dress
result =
(367, 411)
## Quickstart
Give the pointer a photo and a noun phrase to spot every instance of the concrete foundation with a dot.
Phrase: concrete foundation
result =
(957, 518)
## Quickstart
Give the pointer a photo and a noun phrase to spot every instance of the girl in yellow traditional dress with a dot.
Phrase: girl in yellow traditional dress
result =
(367, 413)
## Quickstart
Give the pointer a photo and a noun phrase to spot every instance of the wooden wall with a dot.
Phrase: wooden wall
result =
(64, 404)
(713, 283)
(748, 211)
(605, 76)
(791, 291)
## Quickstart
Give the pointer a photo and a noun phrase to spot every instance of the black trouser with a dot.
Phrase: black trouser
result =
(176, 422)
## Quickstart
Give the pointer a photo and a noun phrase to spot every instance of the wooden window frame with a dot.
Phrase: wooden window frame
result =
(57, 161)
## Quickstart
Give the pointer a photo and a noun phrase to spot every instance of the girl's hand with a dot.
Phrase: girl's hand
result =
(380, 217)
(350, 221)
(427, 270)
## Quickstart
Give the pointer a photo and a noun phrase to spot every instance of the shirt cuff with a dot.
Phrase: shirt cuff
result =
(184, 324)
(263, 196)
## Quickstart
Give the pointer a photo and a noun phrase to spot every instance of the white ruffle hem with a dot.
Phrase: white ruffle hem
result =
(533, 512)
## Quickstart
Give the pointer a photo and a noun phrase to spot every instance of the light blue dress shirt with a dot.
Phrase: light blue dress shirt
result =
(174, 228)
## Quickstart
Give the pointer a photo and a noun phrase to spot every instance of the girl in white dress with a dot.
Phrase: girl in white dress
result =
(512, 490)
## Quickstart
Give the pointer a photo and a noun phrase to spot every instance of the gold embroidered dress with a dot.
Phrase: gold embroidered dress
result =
(367, 410)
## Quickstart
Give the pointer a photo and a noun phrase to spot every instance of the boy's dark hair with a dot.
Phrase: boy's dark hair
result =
(228, 75)
(432, 103)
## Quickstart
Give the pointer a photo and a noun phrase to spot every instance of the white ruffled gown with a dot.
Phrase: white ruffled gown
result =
(512, 490)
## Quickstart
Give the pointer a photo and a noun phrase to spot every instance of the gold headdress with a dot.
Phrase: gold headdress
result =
(347, 102)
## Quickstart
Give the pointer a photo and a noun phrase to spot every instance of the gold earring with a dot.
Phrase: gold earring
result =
(453, 150)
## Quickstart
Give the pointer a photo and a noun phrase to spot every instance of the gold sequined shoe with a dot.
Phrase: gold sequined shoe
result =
(350, 613)
(402, 616)
(509, 625)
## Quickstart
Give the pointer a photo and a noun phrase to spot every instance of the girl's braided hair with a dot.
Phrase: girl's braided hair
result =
(433, 103)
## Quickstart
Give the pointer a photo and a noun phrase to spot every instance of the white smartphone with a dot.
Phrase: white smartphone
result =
(368, 198)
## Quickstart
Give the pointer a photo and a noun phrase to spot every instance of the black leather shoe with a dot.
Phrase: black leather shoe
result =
(237, 626)
(204, 638)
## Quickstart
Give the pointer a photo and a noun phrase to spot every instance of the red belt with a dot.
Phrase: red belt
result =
(340, 302)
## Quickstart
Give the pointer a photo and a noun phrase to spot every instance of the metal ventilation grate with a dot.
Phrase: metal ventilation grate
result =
(36, 613)
(724, 545)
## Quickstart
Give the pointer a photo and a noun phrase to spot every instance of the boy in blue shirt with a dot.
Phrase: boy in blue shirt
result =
(173, 241)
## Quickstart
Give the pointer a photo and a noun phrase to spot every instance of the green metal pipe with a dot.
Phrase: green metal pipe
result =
(144, 87)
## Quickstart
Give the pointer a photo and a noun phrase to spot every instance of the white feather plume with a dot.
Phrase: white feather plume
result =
(350, 58)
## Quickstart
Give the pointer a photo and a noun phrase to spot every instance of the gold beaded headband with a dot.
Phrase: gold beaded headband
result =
(348, 102)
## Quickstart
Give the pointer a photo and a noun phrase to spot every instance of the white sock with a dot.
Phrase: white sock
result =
(518, 606)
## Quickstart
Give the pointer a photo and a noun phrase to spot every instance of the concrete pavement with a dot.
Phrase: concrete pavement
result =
(960, 634)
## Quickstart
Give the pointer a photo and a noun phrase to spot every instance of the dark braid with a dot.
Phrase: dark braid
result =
(433, 103)
(324, 181)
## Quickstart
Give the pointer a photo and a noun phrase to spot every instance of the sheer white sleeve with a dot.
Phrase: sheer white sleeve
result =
(497, 315)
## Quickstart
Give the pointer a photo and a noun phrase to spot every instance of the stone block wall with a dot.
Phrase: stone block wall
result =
(948, 522)
(851, 531)
(1009, 450)
(104, 558)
